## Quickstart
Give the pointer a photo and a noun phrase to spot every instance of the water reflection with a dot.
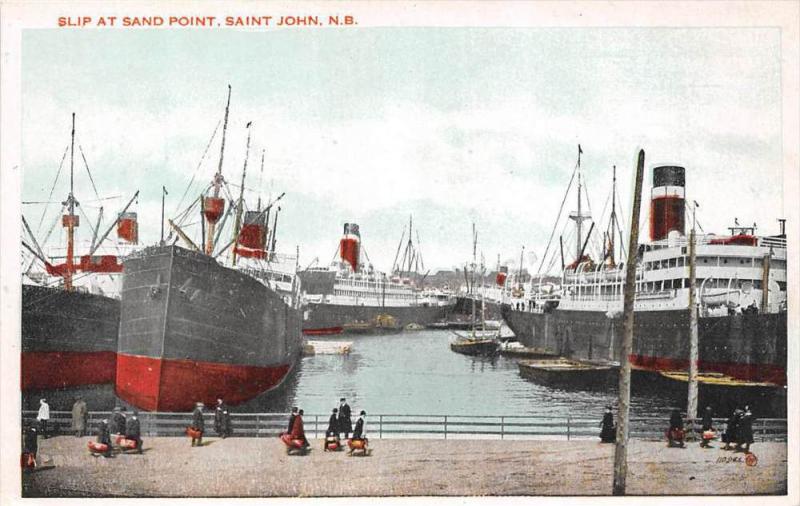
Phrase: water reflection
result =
(417, 373)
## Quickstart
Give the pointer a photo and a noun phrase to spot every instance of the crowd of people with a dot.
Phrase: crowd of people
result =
(340, 426)
(738, 429)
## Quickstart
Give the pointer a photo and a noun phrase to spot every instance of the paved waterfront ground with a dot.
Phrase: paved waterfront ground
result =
(260, 467)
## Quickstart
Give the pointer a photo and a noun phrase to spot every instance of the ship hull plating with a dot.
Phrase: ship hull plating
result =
(192, 330)
(69, 339)
(748, 347)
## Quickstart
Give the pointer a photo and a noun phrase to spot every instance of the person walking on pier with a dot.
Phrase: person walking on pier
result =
(198, 424)
(104, 437)
(80, 417)
(708, 427)
(744, 435)
(43, 417)
(345, 422)
(291, 420)
(359, 432)
(607, 429)
(30, 445)
(675, 434)
(222, 419)
(298, 431)
(133, 431)
(731, 429)
(333, 424)
(118, 421)
(332, 433)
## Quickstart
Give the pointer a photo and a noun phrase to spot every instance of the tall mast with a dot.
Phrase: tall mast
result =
(613, 215)
(578, 216)
(519, 273)
(240, 204)
(218, 176)
(579, 220)
(70, 220)
(260, 175)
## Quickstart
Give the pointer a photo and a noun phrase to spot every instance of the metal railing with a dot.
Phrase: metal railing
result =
(416, 426)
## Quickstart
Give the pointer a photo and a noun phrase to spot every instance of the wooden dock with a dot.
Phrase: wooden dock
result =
(569, 371)
(249, 467)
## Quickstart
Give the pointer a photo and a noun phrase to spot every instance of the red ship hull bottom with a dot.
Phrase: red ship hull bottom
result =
(154, 384)
(761, 373)
(49, 370)
(329, 331)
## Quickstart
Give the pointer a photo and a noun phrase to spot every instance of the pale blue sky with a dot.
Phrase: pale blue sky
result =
(448, 124)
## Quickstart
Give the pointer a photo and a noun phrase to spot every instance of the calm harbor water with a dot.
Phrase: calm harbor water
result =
(417, 373)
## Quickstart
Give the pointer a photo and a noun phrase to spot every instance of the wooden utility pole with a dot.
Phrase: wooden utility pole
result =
(691, 404)
(621, 450)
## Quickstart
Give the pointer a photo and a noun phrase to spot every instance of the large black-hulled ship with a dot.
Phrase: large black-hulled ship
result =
(195, 328)
(70, 310)
(741, 281)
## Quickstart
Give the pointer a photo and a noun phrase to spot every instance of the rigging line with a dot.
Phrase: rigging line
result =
(49, 197)
(80, 208)
(86, 164)
(197, 169)
(566, 238)
(619, 229)
(549, 241)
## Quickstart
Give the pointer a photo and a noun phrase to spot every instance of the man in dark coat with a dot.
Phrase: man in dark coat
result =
(675, 433)
(731, 429)
(198, 424)
(133, 431)
(744, 435)
(708, 424)
(358, 431)
(607, 432)
(291, 420)
(31, 442)
(222, 419)
(104, 437)
(345, 422)
(333, 424)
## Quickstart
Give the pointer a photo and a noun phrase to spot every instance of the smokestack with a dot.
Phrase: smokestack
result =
(350, 245)
(667, 208)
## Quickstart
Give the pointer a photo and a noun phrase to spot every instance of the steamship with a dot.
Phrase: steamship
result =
(70, 306)
(741, 280)
(197, 324)
(349, 296)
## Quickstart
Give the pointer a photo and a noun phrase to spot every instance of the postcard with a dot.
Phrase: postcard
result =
(456, 251)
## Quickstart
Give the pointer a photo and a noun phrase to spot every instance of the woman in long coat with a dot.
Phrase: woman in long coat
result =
(607, 433)
(298, 431)
(745, 432)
